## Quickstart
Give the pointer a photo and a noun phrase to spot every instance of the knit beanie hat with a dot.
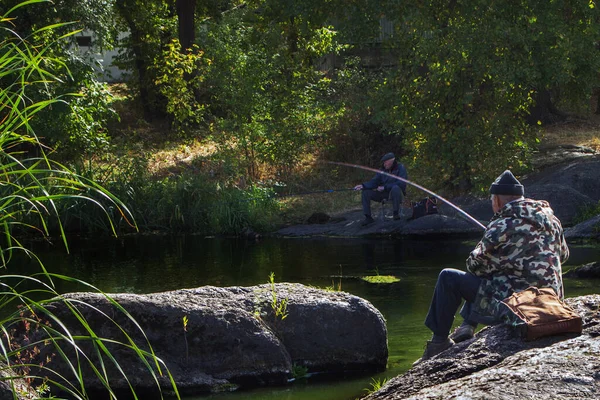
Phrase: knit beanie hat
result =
(387, 156)
(506, 183)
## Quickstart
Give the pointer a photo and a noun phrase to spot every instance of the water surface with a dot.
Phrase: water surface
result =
(145, 264)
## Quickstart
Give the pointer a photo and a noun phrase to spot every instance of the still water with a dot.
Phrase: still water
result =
(145, 264)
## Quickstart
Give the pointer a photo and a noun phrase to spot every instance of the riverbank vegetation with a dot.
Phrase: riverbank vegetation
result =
(231, 110)
(34, 191)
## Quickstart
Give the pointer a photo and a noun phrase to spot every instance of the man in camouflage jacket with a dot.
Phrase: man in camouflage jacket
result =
(523, 245)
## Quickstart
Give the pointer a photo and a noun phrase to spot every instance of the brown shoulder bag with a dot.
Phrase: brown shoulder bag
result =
(542, 313)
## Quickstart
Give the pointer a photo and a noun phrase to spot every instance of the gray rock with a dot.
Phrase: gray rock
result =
(591, 270)
(497, 365)
(318, 218)
(437, 224)
(552, 155)
(579, 175)
(589, 229)
(22, 390)
(330, 331)
(480, 209)
(384, 225)
(566, 202)
(232, 337)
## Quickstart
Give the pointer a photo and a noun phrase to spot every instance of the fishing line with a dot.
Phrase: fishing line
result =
(468, 216)
(315, 192)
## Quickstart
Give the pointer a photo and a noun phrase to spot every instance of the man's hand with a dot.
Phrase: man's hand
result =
(358, 187)
(380, 188)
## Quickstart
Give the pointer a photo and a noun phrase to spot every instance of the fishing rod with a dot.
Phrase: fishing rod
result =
(279, 196)
(314, 192)
(468, 216)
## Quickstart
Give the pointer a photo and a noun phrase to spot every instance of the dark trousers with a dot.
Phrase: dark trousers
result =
(451, 288)
(373, 195)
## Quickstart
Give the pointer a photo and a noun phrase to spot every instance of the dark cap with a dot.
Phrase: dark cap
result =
(506, 183)
(387, 156)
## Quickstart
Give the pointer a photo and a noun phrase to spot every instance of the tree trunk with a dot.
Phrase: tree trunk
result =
(186, 10)
(544, 109)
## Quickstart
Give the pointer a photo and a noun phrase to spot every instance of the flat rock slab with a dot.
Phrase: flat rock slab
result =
(498, 365)
(349, 224)
(215, 339)
(548, 156)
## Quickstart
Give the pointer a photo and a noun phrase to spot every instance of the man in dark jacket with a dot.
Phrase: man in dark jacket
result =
(383, 187)
(522, 246)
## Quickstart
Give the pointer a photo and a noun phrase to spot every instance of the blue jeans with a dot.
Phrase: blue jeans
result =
(452, 287)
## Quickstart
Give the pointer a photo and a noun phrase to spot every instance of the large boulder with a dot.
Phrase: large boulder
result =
(498, 365)
(566, 201)
(579, 175)
(591, 270)
(589, 229)
(478, 208)
(214, 339)
(551, 155)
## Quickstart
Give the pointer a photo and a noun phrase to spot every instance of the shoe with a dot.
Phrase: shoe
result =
(462, 333)
(396, 217)
(434, 348)
(368, 221)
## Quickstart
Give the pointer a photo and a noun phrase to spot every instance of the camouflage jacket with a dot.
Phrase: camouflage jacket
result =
(523, 246)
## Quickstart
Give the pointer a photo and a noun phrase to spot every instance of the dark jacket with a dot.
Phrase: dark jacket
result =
(387, 181)
(522, 246)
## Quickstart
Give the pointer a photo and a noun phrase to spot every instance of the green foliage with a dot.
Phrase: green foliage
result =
(152, 25)
(77, 127)
(266, 95)
(335, 287)
(179, 75)
(364, 129)
(65, 16)
(463, 101)
(299, 371)
(376, 384)
(32, 187)
(278, 306)
(185, 324)
(188, 202)
(76, 123)
(268, 305)
(587, 213)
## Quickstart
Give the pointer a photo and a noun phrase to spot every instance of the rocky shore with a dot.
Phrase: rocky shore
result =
(570, 187)
(498, 365)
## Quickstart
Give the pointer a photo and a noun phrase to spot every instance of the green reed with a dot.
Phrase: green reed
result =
(33, 188)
